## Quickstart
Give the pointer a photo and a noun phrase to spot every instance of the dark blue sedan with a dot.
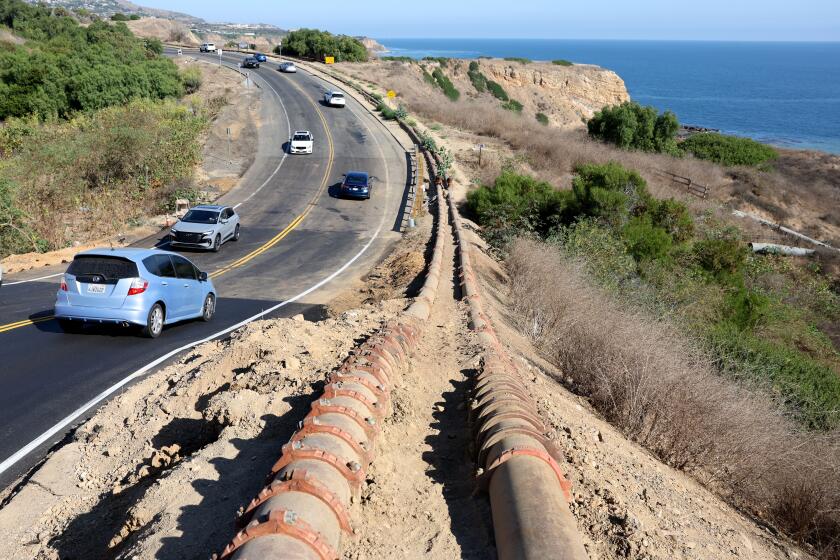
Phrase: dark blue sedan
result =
(260, 57)
(356, 184)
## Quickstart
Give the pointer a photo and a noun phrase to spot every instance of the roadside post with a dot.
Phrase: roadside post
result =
(480, 148)
(227, 131)
(220, 58)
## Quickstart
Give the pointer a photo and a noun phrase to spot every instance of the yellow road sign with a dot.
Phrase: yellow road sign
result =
(329, 60)
(392, 94)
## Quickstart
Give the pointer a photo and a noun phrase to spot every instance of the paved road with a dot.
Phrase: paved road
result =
(298, 241)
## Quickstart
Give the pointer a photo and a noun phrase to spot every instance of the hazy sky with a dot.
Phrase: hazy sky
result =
(785, 20)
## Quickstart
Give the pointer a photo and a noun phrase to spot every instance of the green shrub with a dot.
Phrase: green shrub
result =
(387, 113)
(722, 257)
(443, 61)
(562, 62)
(672, 216)
(65, 68)
(745, 308)
(397, 59)
(542, 118)
(479, 81)
(809, 388)
(119, 17)
(513, 105)
(644, 240)
(607, 192)
(428, 78)
(191, 77)
(519, 59)
(631, 126)
(728, 150)
(134, 17)
(315, 44)
(446, 85)
(497, 90)
(516, 204)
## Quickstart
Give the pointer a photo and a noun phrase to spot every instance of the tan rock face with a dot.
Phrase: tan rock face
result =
(567, 94)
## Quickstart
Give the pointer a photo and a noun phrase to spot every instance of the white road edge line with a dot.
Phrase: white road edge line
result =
(34, 279)
(66, 421)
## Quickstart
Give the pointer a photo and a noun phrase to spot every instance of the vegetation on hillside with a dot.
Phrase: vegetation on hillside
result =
(631, 126)
(315, 44)
(562, 62)
(64, 68)
(445, 84)
(728, 150)
(758, 315)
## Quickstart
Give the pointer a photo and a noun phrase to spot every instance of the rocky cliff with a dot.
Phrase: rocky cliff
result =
(568, 95)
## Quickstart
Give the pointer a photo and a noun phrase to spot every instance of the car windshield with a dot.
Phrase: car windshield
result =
(336, 94)
(201, 217)
(301, 137)
(356, 180)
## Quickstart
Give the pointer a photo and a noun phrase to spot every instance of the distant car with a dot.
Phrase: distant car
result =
(288, 67)
(260, 57)
(205, 227)
(334, 99)
(301, 142)
(356, 184)
(143, 287)
(207, 47)
(250, 62)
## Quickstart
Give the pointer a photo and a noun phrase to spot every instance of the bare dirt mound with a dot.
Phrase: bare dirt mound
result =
(164, 29)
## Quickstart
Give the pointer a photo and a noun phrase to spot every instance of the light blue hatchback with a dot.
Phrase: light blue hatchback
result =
(143, 287)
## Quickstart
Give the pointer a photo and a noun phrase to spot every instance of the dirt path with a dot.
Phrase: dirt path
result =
(419, 500)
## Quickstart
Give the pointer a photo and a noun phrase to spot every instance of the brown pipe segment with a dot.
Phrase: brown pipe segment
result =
(280, 522)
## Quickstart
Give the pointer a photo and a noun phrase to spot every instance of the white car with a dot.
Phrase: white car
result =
(301, 142)
(207, 47)
(334, 99)
(288, 67)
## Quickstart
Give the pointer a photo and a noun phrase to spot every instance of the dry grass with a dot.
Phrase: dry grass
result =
(652, 382)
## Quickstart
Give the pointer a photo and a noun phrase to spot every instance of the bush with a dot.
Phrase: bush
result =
(562, 62)
(722, 257)
(631, 126)
(387, 113)
(646, 241)
(728, 150)
(542, 118)
(65, 68)
(672, 216)
(479, 81)
(446, 85)
(191, 77)
(315, 44)
(519, 59)
(516, 203)
(443, 61)
(513, 105)
(609, 193)
(119, 17)
(497, 90)
(397, 59)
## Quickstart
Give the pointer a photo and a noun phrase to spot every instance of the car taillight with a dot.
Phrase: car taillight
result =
(138, 286)
(63, 285)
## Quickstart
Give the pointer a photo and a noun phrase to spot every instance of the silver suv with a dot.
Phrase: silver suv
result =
(205, 227)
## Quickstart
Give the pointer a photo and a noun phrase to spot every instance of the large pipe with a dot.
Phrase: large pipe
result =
(303, 513)
(527, 489)
(774, 248)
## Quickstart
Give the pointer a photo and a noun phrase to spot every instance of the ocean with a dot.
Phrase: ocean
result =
(786, 94)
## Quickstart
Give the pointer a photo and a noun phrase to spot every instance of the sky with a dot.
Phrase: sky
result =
(743, 20)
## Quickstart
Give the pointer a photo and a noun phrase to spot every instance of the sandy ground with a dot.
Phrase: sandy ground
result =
(219, 171)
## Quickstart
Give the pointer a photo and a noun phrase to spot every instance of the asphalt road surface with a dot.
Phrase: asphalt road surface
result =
(298, 242)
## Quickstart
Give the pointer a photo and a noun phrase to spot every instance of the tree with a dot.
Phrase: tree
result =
(632, 126)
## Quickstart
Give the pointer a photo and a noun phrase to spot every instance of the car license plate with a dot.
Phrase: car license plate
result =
(96, 288)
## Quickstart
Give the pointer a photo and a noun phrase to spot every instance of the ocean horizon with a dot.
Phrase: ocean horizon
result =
(782, 93)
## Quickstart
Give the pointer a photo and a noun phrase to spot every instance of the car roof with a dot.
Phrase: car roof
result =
(131, 253)
(302, 132)
(335, 91)
(213, 207)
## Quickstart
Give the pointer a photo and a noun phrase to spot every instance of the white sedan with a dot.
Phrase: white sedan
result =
(334, 99)
(301, 142)
(288, 67)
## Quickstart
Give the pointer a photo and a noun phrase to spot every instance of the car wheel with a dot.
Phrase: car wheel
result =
(209, 308)
(154, 322)
(217, 243)
(236, 233)
(69, 326)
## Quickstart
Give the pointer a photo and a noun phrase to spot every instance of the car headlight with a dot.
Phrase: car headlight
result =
(208, 232)
(173, 231)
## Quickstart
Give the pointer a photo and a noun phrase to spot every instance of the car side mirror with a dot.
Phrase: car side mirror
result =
(224, 220)
(202, 276)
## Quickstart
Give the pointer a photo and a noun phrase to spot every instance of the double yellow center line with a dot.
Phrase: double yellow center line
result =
(268, 244)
